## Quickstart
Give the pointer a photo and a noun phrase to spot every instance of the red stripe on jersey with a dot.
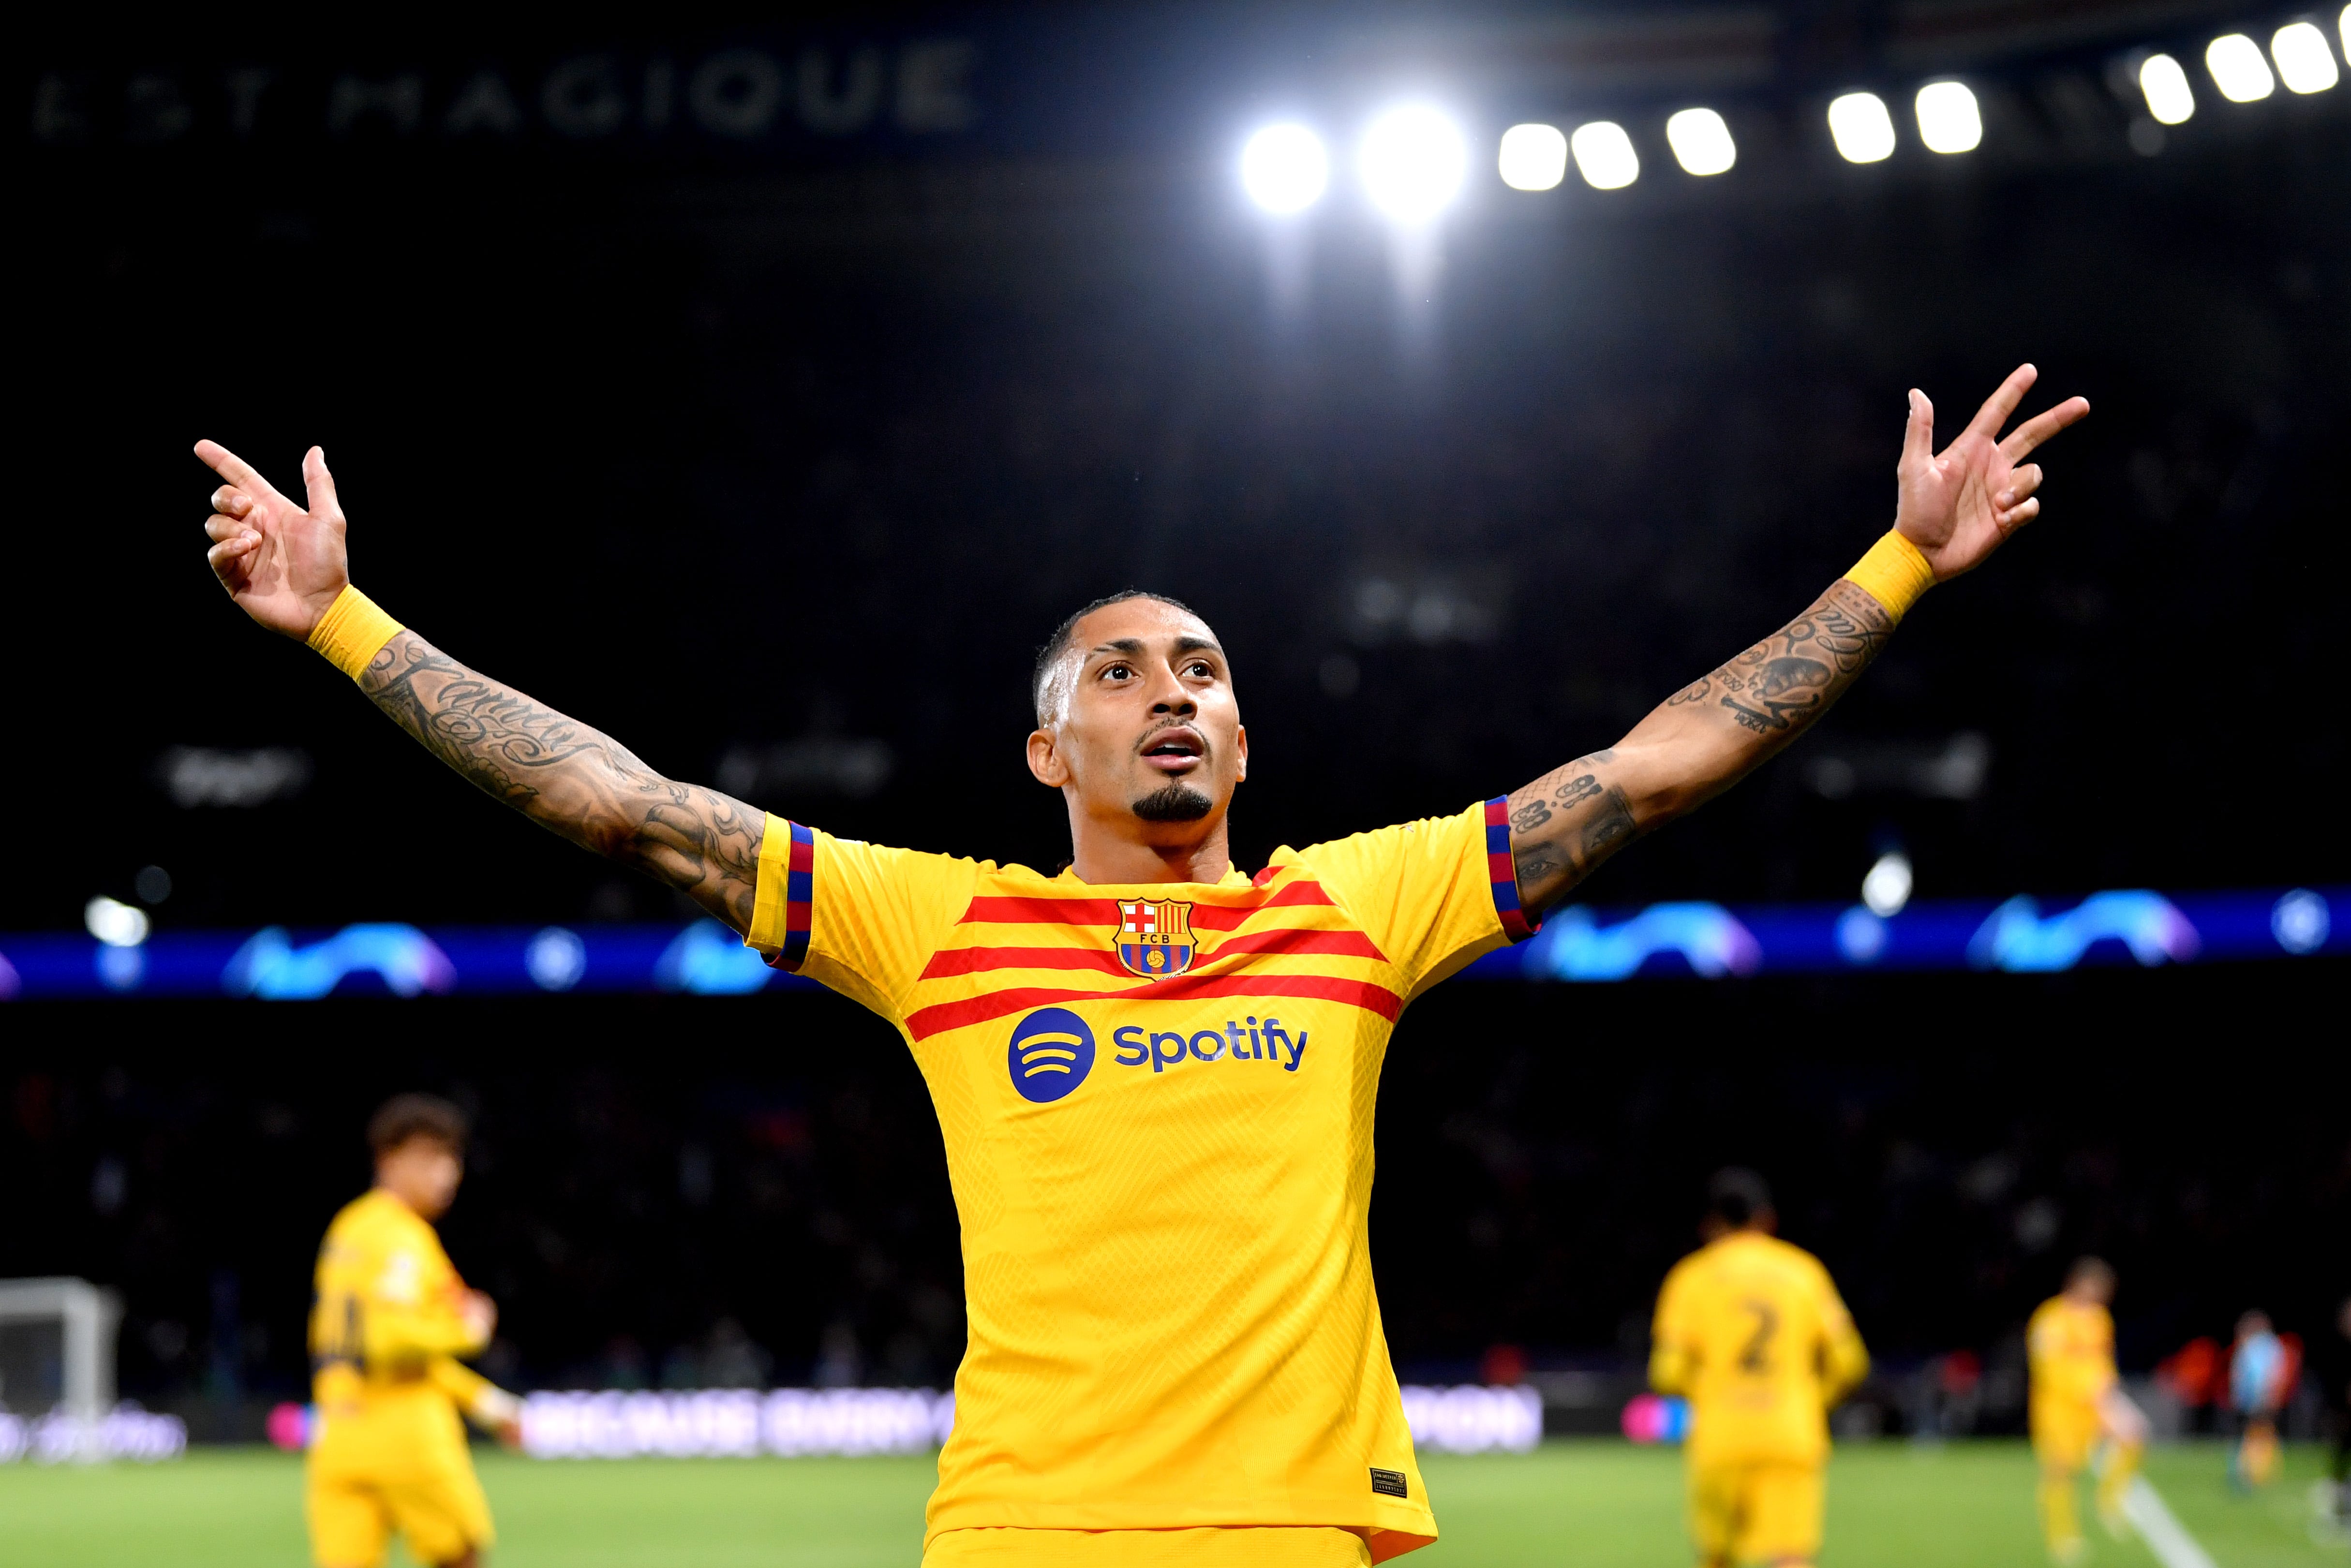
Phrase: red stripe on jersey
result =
(1301, 939)
(952, 961)
(980, 960)
(1001, 910)
(923, 1023)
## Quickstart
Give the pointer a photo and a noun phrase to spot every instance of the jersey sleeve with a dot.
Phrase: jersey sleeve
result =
(1431, 894)
(1844, 1360)
(412, 1303)
(858, 917)
(484, 1402)
(1673, 1347)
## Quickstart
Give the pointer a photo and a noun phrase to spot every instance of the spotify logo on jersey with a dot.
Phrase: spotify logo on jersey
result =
(1051, 1053)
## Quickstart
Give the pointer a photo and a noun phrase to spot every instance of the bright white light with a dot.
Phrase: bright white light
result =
(1284, 169)
(2303, 61)
(2343, 26)
(1413, 162)
(1863, 130)
(1886, 888)
(2238, 68)
(1604, 155)
(1701, 141)
(555, 959)
(2168, 97)
(116, 924)
(1534, 156)
(1948, 119)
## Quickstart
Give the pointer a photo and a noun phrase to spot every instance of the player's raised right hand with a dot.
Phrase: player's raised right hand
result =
(282, 563)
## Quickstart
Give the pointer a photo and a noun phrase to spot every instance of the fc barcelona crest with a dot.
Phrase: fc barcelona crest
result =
(1154, 936)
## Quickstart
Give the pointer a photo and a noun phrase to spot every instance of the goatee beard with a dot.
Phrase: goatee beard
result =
(1173, 803)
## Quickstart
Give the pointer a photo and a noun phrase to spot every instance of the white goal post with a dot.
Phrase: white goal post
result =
(87, 1317)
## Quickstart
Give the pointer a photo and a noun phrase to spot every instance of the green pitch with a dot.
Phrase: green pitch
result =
(1593, 1504)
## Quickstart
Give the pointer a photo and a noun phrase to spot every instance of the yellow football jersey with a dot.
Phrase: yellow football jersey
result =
(1753, 1331)
(386, 1317)
(1157, 1103)
(2070, 1347)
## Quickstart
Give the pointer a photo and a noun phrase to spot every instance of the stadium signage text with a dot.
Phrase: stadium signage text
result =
(743, 95)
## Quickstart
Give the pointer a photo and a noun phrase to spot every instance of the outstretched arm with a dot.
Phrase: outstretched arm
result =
(285, 566)
(1955, 509)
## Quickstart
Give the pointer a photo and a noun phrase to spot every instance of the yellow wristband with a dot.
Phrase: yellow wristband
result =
(352, 631)
(1893, 573)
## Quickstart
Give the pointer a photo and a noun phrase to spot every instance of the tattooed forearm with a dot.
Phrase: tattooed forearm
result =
(571, 778)
(1696, 744)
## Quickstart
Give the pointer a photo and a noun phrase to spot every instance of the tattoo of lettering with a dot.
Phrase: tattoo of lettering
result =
(571, 778)
(1788, 680)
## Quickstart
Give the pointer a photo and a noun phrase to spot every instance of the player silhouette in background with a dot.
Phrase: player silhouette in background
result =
(1751, 1331)
(2079, 1418)
(2261, 1375)
(390, 1321)
(1155, 1074)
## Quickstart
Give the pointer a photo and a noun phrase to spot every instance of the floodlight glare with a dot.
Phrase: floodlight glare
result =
(1700, 141)
(2343, 26)
(1284, 169)
(2168, 97)
(1604, 155)
(2303, 61)
(1413, 162)
(1863, 130)
(1534, 156)
(1948, 119)
(2238, 68)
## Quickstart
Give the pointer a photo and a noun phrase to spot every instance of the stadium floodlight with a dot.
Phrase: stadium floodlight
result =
(1534, 156)
(1604, 155)
(116, 924)
(2168, 97)
(1948, 119)
(1284, 169)
(1413, 162)
(2304, 63)
(1701, 141)
(1861, 129)
(1888, 886)
(2238, 68)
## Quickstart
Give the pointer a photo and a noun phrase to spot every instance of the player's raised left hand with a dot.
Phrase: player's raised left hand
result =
(1960, 507)
(283, 564)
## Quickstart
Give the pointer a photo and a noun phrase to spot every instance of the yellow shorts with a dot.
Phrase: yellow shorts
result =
(440, 1512)
(2063, 1439)
(1765, 1511)
(1269, 1547)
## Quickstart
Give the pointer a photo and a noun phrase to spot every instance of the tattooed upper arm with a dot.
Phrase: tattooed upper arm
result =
(1696, 744)
(572, 779)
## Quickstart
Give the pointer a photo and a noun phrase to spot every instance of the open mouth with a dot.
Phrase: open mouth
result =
(1174, 751)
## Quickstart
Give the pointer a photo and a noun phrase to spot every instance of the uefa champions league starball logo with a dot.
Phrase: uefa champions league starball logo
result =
(1050, 1054)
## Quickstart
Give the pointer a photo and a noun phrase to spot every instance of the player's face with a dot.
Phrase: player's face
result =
(424, 1173)
(1151, 738)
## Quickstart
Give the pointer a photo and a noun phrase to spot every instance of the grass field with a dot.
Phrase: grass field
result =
(1602, 1505)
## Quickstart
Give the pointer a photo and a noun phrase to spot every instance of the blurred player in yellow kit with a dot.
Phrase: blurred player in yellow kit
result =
(1753, 1331)
(391, 1317)
(2078, 1406)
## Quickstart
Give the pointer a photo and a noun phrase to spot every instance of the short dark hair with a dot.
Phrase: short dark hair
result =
(406, 1116)
(1059, 643)
(1736, 1195)
(2091, 1268)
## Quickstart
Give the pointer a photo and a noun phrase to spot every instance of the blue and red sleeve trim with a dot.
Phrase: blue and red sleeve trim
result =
(1504, 872)
(799, 896)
